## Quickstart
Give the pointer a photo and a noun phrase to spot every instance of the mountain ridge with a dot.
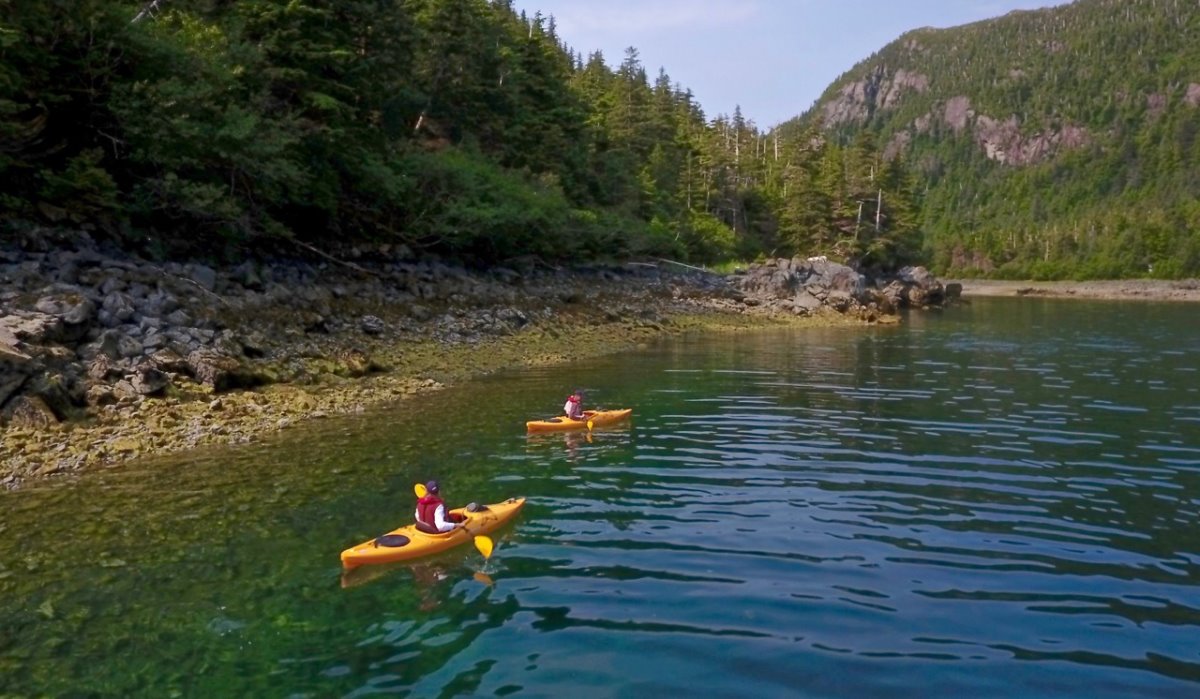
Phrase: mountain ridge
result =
(1036, 133)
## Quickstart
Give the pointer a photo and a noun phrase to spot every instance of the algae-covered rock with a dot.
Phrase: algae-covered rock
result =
(101, 395)
(220, 372)
(58, 392)
(148, 381)
(125, 445)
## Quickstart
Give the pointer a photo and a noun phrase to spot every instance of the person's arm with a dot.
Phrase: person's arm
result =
(440, 521)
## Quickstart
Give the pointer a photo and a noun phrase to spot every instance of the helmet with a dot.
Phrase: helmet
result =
(432, 486)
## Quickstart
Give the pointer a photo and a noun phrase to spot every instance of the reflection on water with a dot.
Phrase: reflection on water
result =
(999, 500)
(571, 443)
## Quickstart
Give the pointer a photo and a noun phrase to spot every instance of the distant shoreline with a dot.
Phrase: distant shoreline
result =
(1113, 289)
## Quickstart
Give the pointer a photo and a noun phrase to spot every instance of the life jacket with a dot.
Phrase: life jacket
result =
(571, 407)
(426, 507)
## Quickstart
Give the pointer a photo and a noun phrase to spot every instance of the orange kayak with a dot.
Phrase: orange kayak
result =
(406, 542)
(598, 418)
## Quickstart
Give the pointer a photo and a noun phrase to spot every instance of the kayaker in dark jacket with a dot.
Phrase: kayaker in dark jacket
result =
(431, 510)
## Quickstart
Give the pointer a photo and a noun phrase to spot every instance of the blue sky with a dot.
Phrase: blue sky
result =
(773, 57)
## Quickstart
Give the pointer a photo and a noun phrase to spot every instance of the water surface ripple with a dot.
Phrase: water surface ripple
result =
(1000, 500)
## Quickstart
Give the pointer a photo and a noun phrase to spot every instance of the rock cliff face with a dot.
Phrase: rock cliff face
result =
(881, 89)
(999, 138)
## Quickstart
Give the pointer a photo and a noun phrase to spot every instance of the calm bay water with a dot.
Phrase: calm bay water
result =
(999, 500)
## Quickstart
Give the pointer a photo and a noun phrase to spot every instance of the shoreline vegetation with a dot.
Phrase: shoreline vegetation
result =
(1106, 290)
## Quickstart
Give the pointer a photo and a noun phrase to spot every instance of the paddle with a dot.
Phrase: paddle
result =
(484, 544)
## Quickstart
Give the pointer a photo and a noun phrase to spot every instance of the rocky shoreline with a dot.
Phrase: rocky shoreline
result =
(106, 357)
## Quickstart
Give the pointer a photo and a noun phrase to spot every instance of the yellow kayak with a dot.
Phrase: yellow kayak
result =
(406, 542)
(598, 418)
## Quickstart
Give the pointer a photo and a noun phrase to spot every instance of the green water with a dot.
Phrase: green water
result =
(1001, 500)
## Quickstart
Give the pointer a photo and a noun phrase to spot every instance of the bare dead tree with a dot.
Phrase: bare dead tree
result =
(147, 10)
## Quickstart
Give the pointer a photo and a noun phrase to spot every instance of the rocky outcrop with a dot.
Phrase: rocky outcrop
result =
(805, 286)
(880, 89)
(916, 287)
(1001, 139)
(1004, 142)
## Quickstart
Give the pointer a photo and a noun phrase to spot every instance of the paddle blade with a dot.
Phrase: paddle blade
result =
(484, 544)
(591, 424)
(420, 490)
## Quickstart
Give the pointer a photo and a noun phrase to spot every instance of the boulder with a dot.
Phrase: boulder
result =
(57, 391)
(148, 381)
(922, 289)
(204, 276)
(102, 369)
(220, 372)
(74, 310)
(254, 344)
(117, 308)
(805, 303)
(115, 344)
(31, 327)
(160, 304)
(803, 285)
(246, 275)
(179, 317)
(372, 325)
(153, 341)
(30, 412)
(101, 394)
(111, 284)
(168, 360)
(15, 368)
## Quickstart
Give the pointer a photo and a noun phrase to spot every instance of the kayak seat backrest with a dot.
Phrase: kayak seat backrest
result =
(392, 541)
(426, 528)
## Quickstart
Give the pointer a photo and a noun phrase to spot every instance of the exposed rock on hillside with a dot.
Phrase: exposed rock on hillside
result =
(881, 89)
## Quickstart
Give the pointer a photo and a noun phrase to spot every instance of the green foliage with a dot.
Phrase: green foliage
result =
(707, 238)
(471, 206)
(459, 126)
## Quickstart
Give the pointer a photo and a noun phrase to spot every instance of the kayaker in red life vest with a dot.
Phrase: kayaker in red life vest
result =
(574, 406)
(431, 511)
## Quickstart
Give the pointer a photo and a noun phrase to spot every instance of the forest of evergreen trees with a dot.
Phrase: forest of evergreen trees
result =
(462, 127)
